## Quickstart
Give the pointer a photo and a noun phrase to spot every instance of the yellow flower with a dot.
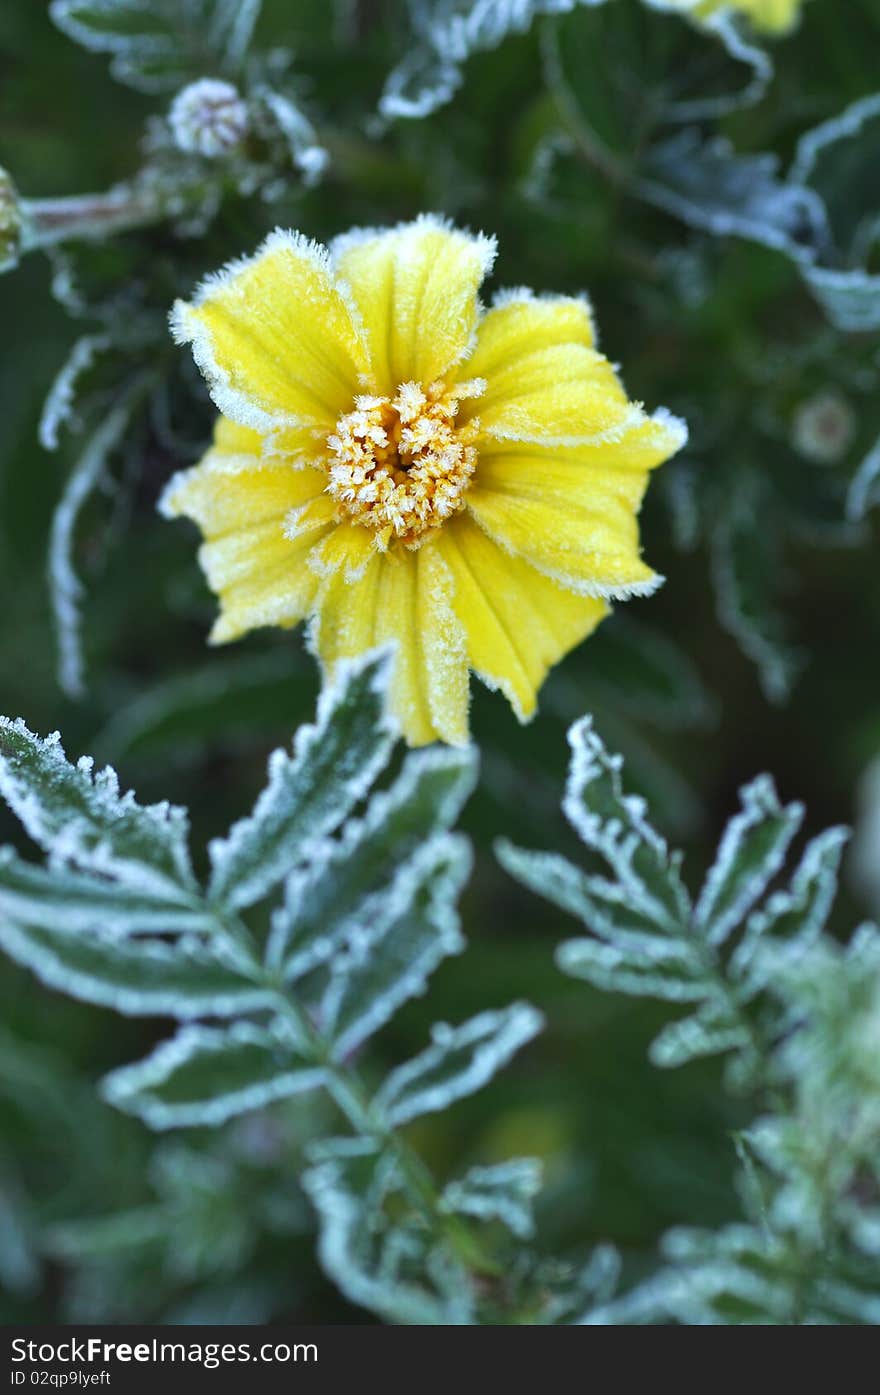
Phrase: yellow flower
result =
(773, 16)
(394, 463)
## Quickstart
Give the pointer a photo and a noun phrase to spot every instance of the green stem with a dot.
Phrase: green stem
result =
(353, 1099)
(50, 221)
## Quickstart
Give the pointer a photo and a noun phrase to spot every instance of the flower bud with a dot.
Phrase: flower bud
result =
(823, 428)
(208, 118)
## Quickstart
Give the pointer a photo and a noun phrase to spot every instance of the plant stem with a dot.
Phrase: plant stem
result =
(50, 221)
(353, 1099)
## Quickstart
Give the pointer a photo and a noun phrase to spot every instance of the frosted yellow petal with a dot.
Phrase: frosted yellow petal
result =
(232, 439)
(518, 623)
(231, 494)
(443, 646)
(370, 598)
(415, 286)
(242, 506)
(275, 337)
(595, 479)
(260, 579)
(594, 552)
(544, 380)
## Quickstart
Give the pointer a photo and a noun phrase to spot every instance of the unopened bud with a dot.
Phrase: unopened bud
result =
(208, 118)
(823, 428)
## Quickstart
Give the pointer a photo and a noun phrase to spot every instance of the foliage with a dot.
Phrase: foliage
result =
(274, 1151)
(794, 1014)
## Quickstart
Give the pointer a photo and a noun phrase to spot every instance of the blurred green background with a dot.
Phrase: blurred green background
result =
(200, 1227)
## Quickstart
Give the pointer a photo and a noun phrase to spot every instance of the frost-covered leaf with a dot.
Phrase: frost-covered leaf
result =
(382, 968)
(65, 587)
(745, 571)
(864, 491)
(158, 45)
(790, 921)
(79, 818)
(706, 184)
(362, 882)
(645, 937)
(310, 792)
(60, 407)
(503, 1192)
(743, 1275)
(446, 33)
(392, 1268)
(50, 896)
(307, 154)
(459, 1061)
(614, 825)
(137, 977)
(750, 854)
(839, 159)
(205, 1075)
(752, 69)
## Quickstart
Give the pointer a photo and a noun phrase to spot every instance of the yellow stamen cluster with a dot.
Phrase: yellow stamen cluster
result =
(402, 465)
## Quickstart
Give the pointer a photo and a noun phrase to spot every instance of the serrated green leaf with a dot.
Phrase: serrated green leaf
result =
(385, 966)
(158, 45)
(749, 855)
(137, 977)
(503, 1192)
(311, 792)
(459, 1061)
(81, 819)
(205, 1075)
(51, 896)
(350, 886)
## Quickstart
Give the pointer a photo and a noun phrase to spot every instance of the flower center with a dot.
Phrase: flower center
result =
(401, 465)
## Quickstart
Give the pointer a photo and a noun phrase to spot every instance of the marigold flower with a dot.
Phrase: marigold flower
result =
(394, 463)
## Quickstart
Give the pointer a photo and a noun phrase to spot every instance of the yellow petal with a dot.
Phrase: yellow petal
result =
(275, 338)
(518, 623)
(544, 380)
(593, 553)
(370, 598)
(232, 439)
(585, 476)
(242, 506)
(415, 287)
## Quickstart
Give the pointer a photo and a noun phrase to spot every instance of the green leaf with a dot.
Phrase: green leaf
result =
(503, 1192)
(81, 819)
(158, 45)
(459, 1061)
(352, 886)
(310, 793)
(645, 938)
(707, 185)
(59, 896)
(745, 571)
(137, 977)
(386, 1265)
(749, 855)
(206, 1075)
(384, 966)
